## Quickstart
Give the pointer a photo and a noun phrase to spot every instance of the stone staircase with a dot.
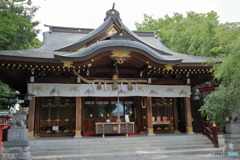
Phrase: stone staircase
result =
(120, 147)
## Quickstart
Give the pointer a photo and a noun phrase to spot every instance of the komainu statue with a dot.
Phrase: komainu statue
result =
(234, 115)
(19, 118)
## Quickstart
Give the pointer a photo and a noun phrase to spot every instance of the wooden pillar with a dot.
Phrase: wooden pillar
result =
(137, 113)
(149, 116)
(188, 114)
(78, 118)
(37, 117)
(175, 115)
(31, 117)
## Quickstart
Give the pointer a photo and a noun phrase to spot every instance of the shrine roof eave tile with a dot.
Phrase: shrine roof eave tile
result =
(194, 64)
(15, 59)
(69, 28)
(30, 54)
(120, 43)
(157, 42)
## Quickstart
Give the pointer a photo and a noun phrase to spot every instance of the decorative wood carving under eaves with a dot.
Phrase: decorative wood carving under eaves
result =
(110, 81)
(120, 56)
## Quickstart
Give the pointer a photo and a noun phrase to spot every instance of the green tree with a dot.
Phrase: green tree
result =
(226, 38)
(16, 25)
(5, 91)
(202, 35)
(226, 97)
(193, 34)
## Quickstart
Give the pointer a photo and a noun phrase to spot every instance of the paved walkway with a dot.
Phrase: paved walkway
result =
(187, 157)
(183, 157)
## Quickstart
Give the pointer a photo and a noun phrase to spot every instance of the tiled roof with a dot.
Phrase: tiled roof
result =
(60, 37)
(121, 43)
(94, 32)
(55, 40)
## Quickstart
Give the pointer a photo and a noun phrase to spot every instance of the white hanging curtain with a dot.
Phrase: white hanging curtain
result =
(86, 90)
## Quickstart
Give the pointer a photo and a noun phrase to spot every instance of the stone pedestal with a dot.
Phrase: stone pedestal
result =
(232, 138)
(221, 140)
(17, 147)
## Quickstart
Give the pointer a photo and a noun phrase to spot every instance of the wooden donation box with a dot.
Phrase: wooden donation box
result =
(165, 124)
(112, 127)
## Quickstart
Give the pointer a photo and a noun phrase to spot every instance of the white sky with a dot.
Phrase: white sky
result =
(90, 13)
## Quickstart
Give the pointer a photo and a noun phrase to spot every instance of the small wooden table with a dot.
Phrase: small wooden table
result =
(112, 127)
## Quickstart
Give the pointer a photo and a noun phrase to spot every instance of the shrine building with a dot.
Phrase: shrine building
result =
(94, 81)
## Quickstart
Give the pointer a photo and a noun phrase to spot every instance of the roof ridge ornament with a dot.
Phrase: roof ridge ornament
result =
(121, 35)
(113, 6)
(113, 13)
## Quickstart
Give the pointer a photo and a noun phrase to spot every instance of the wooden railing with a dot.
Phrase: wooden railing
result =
(211, 132)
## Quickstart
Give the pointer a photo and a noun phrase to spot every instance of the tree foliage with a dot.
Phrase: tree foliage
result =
(202, 35)
(17, 31)
(5, 91)
(193, 34)
(17, 26)
(226, 97)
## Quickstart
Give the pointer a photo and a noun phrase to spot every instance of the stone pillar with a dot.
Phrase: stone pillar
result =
(149, 116)
(31, 117)
(188, 114)
(78, 117)
(232, 138)
(175, 115)
(17, 145)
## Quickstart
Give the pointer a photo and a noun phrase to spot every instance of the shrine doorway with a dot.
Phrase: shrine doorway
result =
(103, 109)
(57, 116)
(162, 115)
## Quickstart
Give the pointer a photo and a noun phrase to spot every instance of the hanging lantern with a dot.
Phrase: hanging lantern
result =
(78, 80)
(130, 87)
(115, 78)
(115, 86)
(99, 86)
(28, 96)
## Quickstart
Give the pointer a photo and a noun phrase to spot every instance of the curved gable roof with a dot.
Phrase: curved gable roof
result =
(112, 18)
(108, 44)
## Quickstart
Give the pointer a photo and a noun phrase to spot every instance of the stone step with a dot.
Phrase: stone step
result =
(102, 141)
(111, 149)
(127, 143)
(170, 135)
(110, 146)
(133, 155)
